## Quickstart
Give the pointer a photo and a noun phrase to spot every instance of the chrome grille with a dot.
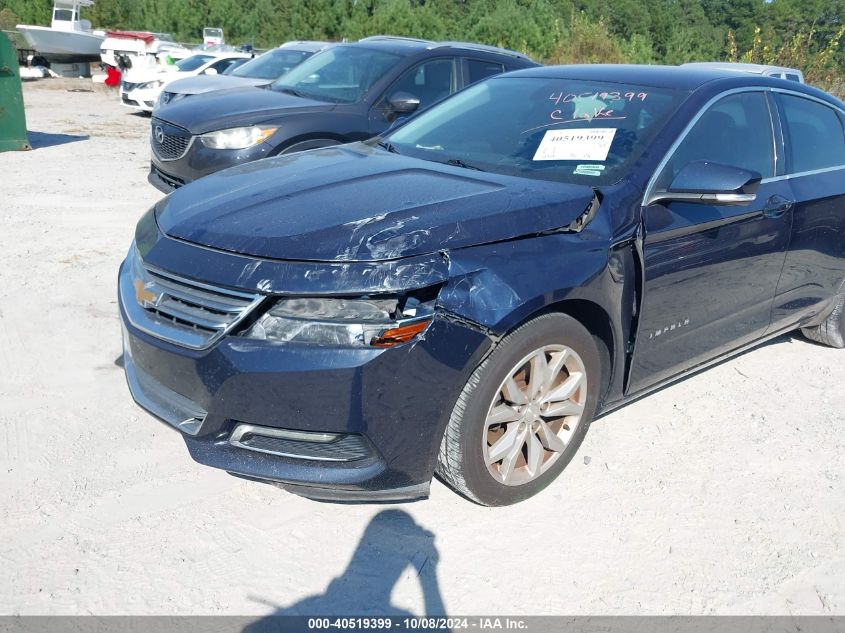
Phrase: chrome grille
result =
(169, 142)
(178, 310)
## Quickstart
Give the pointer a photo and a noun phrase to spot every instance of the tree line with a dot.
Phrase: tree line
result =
(803, 33)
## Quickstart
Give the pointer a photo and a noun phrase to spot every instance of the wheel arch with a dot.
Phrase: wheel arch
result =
(596, 320)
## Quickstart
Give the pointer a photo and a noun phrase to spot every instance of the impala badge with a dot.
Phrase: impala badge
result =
(668, 328)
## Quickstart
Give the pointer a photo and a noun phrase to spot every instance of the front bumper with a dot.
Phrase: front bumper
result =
(139, 99)
(394, 402)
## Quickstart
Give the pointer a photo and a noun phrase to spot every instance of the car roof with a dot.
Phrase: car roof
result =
(670, 77)
(306, 45)
(677, 77)
(410, 45)
(216, 55)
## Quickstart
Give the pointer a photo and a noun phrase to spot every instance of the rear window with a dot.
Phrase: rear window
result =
(815, 137)
(479, 69)
(225, 64)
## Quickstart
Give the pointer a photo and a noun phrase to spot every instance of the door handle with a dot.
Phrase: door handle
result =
(776, 206)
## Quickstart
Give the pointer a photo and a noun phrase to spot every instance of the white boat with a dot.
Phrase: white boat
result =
(212, 37)
(139, 49)
(69, 38)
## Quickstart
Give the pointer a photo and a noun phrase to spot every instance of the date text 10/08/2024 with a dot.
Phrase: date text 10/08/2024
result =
(422, 623)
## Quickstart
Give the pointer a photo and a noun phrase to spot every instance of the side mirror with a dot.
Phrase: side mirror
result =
(209, 71)
(403, 102)
(711, 183)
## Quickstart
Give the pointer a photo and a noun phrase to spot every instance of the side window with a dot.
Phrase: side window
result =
(815, 137)
(222, 65)
(793, 77)
(478, 69)
(429, 82)
(736, 131)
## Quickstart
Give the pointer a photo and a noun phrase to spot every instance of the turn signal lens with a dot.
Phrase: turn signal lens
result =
(399, 335)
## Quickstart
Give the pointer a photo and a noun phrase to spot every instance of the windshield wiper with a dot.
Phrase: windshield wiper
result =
(388, 146)
(457, 162)
(291, 91)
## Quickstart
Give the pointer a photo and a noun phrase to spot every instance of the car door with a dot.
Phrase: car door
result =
(711, 270)
(815, 172)
(429, 81)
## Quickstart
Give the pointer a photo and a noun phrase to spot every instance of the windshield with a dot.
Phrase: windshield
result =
(552, 129)
(193, 62)
(271, 65)
(342, 74)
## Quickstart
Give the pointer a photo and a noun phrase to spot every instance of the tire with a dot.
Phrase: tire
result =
(831, 331)
(473, 438)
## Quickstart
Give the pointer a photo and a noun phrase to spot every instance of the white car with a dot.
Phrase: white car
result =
(262, 70)
(139, 89)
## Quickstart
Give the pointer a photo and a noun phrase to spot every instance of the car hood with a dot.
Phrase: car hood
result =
(236, 107)
(357, 203)
(204, 83)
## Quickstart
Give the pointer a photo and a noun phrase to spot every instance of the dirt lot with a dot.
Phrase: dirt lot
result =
(722, 494)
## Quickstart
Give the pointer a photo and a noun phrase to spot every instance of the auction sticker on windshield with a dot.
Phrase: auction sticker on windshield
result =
(592, 145)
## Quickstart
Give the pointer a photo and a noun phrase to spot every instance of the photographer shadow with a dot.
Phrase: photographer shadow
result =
(392, 545)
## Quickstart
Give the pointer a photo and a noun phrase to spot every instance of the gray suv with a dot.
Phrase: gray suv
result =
(345, 93)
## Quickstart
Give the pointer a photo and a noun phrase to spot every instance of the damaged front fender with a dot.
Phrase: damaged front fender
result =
(490, 287)
(497, 286)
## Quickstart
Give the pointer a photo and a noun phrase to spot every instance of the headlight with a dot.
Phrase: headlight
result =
(149, 84)
(165, 97)
(169, 97)
(237, 137)
(343, 322)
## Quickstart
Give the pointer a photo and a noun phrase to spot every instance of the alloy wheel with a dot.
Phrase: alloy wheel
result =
(534, 414)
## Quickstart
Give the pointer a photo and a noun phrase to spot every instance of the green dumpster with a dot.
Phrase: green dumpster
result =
(12, 119)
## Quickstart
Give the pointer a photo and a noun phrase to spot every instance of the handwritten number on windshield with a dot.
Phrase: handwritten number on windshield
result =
(562, 97)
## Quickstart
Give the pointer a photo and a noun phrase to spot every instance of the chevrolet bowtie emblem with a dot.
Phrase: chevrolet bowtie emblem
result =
(144, 296)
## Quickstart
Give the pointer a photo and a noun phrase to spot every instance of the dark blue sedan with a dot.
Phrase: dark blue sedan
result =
(464, 294)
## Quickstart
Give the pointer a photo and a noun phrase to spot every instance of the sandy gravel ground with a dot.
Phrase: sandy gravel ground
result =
(722, 494)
